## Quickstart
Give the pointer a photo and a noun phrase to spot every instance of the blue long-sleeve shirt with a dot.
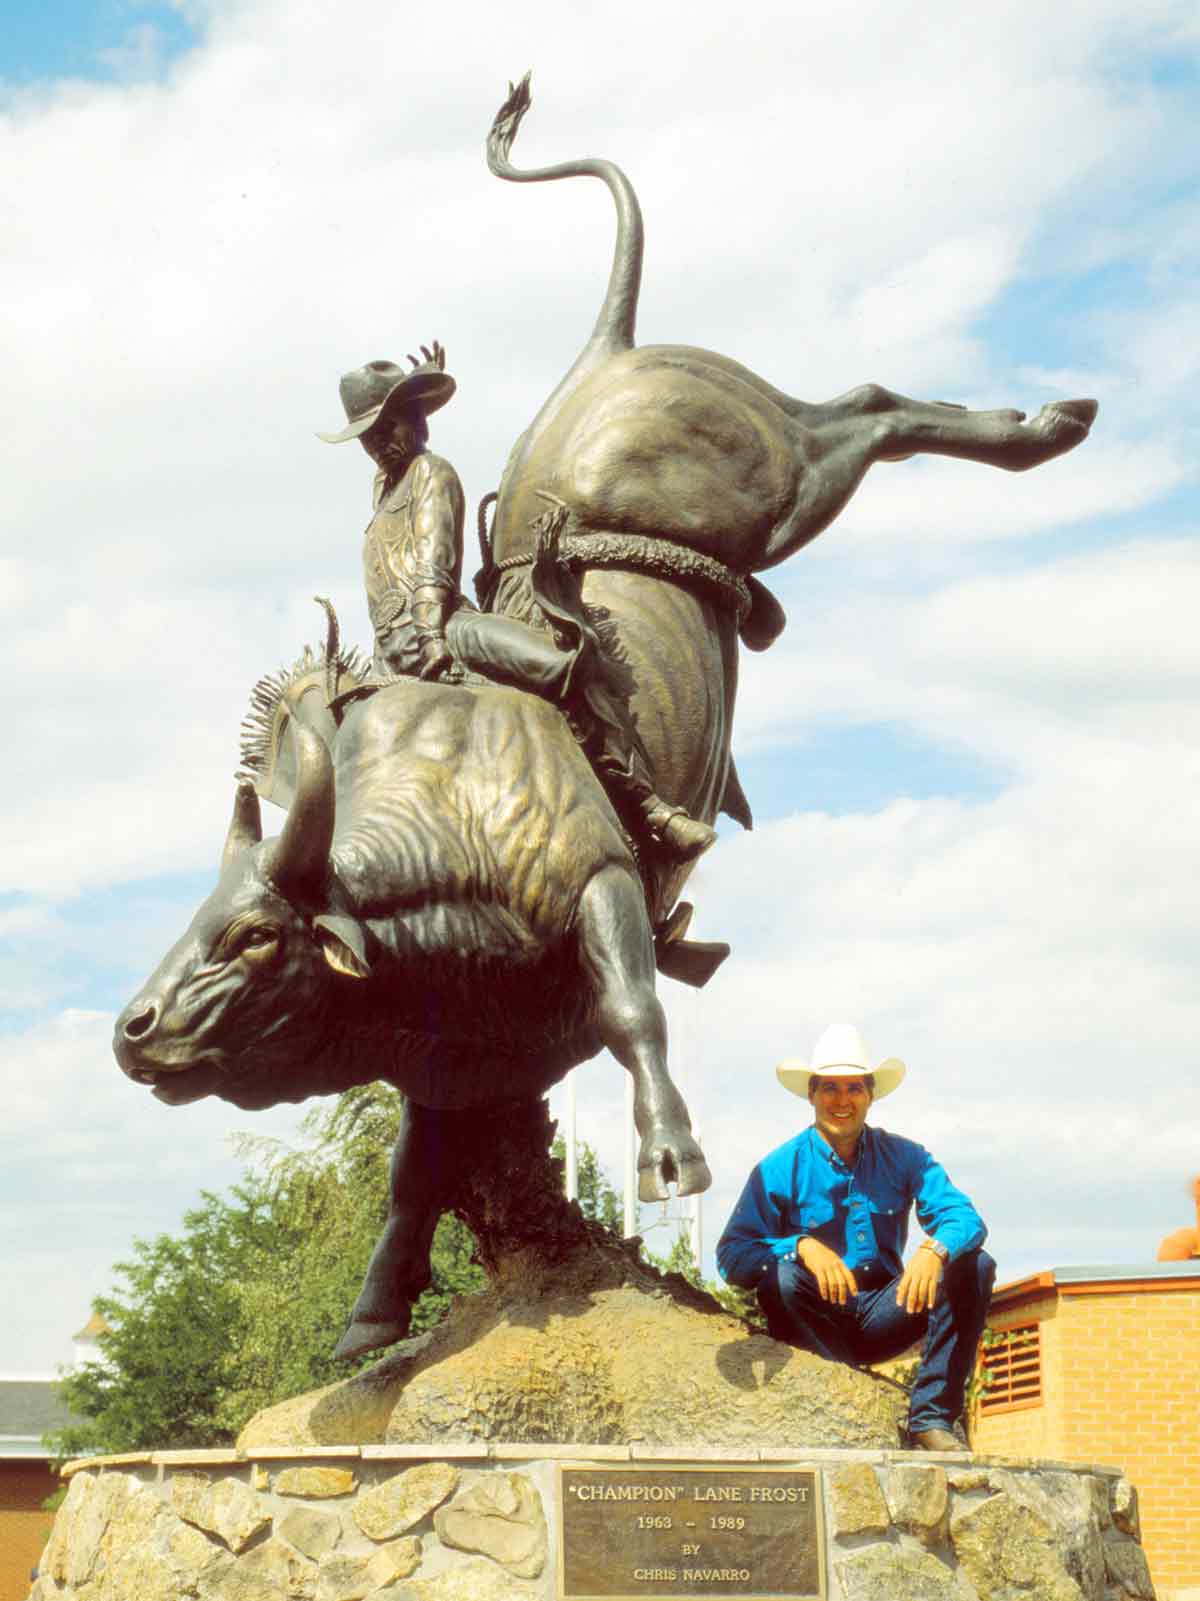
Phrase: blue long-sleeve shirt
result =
(861, 1212)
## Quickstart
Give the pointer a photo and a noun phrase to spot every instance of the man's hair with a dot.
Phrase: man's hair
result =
(819, 1078)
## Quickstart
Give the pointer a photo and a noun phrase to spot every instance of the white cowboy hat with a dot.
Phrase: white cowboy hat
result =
(841, 1052)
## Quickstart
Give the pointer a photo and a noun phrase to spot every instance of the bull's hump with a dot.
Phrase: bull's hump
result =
(674, 443)
(455, 794)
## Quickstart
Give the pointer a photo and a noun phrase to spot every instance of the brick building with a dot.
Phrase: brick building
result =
(1101, 1364)
(29, 1408)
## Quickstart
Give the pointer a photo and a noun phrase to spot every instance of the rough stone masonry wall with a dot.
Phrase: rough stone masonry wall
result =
(480, 1524)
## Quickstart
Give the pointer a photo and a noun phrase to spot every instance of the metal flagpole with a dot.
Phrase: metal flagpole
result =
(631, 1216)
(697, 1224)
(572, 1152)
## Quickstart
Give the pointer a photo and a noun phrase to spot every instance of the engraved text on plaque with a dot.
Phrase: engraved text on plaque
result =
(752, 1534)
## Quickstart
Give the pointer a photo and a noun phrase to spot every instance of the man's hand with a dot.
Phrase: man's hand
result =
(920, 1282)
(834, 1279)
(435, 658)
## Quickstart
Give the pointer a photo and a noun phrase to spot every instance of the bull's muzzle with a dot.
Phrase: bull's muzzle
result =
(175, 1082)
(135, 1026)
(133, 1030)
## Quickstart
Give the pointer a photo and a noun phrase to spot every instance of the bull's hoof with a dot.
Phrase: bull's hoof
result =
(681, 1161)
(694, 1178)
(363, 1336)
(1057, 428)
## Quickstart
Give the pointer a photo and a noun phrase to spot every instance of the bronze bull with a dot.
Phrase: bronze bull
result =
(452, 907)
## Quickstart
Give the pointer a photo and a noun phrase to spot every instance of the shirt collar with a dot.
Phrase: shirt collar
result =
(822, 1145)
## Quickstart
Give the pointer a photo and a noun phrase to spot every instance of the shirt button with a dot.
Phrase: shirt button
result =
(861, 1235)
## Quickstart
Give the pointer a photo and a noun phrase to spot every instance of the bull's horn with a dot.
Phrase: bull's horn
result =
(302, 854)
(245, 826)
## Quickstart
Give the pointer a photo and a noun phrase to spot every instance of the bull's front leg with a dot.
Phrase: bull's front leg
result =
(399, 1267)
(617, 951)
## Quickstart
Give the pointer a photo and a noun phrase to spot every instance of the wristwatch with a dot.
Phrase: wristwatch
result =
(936, 1246)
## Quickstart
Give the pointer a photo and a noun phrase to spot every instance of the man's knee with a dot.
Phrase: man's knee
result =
(985, 1273)
(787, 1287)
(972, 1276)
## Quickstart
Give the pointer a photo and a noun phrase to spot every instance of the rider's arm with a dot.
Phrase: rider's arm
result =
(437, 550)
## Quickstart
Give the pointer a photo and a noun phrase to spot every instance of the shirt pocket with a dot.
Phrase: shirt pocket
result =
(815, 1217)
(889, 1219)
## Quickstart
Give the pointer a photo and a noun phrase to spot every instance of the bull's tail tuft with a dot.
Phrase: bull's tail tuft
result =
(505, 125)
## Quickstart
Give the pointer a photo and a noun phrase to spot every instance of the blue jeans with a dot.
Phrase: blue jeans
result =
(872, 1328)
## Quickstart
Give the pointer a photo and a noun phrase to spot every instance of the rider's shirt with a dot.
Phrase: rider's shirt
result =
(415, 539)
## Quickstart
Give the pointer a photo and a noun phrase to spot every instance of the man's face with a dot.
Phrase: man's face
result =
(393, 439)
(840, 1107)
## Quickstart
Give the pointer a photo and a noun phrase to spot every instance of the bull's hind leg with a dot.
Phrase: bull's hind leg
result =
(618, 956)
(421, 1170)
(899, 427)
(840, 440)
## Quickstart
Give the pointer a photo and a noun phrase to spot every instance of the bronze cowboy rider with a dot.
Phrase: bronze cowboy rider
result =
(425, 627)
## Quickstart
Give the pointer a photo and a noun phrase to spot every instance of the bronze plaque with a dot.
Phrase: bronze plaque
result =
(753, 1534)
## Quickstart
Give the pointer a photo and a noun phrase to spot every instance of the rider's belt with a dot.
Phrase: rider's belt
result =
(659, 557)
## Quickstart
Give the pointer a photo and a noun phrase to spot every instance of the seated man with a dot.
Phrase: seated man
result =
(820, 1229)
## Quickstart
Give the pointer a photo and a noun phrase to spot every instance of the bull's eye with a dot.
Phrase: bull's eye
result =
(257, 942)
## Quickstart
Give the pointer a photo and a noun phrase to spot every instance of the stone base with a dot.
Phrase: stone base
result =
(481, 1523)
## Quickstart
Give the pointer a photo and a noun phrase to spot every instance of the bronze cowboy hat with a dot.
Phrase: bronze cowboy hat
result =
(381, 386)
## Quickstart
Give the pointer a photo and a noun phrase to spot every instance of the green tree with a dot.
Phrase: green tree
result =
(242, 1308)
(334, 1194)
(170, 1320)
(207, 1326)
(681, 1259)
(597, 1198)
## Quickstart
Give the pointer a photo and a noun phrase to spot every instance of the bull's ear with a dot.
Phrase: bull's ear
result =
(341, 940)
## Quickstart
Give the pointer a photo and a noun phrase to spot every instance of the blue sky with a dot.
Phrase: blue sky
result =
(80, 39)
(972, 754)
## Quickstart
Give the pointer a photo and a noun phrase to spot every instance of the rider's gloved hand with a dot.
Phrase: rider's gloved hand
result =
(435, 658)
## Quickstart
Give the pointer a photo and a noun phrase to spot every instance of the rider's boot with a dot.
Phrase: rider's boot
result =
(684, 837)
(586, 693)
(622, 765)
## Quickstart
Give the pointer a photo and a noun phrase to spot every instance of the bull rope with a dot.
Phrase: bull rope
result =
(660, 558)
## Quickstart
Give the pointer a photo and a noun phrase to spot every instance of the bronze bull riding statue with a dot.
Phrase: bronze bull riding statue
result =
(455, 904)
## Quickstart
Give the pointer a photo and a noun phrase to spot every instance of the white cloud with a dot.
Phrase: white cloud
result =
(141, 54)
(1073, 661)
(92, 1161)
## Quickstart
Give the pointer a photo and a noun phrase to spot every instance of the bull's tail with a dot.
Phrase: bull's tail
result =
(614, 330)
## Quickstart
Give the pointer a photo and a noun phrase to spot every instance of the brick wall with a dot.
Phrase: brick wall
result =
(24, 1527)
(1135, 1400)
(1030, 1431)
(1120, 1385)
